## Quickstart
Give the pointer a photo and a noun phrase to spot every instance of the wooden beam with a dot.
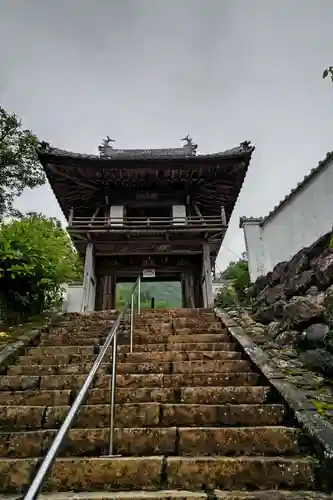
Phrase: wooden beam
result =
(72, 178)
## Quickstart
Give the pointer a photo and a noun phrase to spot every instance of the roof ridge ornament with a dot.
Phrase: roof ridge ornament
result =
(190, 147)
(105, 146)
(246, 145)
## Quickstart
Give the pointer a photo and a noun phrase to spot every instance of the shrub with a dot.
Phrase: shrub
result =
(36, 258)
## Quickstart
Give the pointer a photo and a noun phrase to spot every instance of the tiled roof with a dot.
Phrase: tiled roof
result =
(301, 185)
(45, 150)
(243, 219)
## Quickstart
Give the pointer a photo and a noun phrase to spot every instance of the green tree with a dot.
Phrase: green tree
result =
(238, 273)
(19, 165)
(36, 258)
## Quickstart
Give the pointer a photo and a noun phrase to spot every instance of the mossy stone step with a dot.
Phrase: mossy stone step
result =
(142, 415)
(128, 473)
(142, 441)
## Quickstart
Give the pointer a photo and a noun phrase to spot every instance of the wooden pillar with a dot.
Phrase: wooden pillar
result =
(100, 282)
(189, 289)
(183, 290)
(113, 291)
(207, 285)
(109, 293)
(198, 299)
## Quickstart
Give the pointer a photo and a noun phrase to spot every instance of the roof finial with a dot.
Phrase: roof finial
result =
(189, 146)
(105, 146)
(246, 145)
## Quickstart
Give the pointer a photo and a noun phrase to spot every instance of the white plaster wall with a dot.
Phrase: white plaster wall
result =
(254, 243)
(305, 217)
(73, 298)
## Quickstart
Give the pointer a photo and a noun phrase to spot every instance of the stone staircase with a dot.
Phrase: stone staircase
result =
(193, 419)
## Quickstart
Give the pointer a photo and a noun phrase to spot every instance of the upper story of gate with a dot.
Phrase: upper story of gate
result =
(143, 193)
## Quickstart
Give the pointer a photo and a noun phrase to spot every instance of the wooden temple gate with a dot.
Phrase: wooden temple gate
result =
(130, 211)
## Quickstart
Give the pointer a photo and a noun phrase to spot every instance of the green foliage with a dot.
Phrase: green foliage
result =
(238, 273)
(19, 166)
(328, 72)
(226, 297)
(166, 294)
(36, 258)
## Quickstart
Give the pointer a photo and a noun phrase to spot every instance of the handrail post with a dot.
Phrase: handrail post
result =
(139, 295)
(132, 323)
(113, 394)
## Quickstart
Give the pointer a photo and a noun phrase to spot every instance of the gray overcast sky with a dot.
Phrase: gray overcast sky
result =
(148, 72)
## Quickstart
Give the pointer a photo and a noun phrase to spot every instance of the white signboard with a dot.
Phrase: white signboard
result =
(116, 215)
(148, 273)
(179, 214)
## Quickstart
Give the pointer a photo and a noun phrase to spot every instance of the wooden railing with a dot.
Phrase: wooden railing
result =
(102, 224)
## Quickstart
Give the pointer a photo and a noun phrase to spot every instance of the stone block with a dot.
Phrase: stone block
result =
(21, 417)
(209, 379)
(96, 416)
(138, 395)
(19, 382)
(34, 398)
(239, 366)
(199, 337)
(223, 395)
(84, 474)
(51, 382)
(238, 441)
(148, 367)
(242, 472)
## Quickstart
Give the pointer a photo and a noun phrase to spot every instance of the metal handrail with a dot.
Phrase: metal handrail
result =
(51, 455)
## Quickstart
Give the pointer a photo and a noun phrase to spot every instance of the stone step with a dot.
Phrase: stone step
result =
(35, 398)
(200, 327)
(121, 495)
(194, 322)
(155, 441)
(182, 495)
(267, 495)
(185, 367)
(55, 340)
(142, 415)
(128, 473)
(57, 359)
(190, 395)
(141, 357)
(202, 441)
(228, 415)
(239, 472)
(179, 380)
(61, 350)
(124, 349)
(149, 380)
(181, 347)
(143, 338)
(91, 442)
(199, 337)
(33, 369)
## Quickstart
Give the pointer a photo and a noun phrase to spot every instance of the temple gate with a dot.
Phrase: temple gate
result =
(157, 213)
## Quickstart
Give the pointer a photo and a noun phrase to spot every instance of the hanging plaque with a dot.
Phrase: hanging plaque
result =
(148, 273)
